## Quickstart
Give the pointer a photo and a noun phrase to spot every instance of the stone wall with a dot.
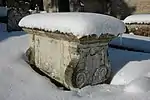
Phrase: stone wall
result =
(142, 6)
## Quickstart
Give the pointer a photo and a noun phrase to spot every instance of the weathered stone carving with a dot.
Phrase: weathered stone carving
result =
(93, 66)
(74, 63)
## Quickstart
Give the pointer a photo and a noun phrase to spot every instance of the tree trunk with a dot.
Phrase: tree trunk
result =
(63, 5)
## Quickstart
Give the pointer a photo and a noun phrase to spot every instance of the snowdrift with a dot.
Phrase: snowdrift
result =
(139, 85)
(131, 71)
(19, 81)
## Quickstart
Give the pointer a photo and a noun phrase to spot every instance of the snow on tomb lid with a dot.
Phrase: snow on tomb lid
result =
(77, 23)
(138, 19)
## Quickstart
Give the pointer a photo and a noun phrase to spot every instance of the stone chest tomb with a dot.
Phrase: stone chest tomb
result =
(139, 24)
(72, 47)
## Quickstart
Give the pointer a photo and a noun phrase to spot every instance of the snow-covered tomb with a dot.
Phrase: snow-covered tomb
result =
(72, 47)
(139, 24)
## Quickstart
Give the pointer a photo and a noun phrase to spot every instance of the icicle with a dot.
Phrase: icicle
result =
(120, 39)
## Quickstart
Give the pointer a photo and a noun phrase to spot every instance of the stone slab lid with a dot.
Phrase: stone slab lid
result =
(79, 24)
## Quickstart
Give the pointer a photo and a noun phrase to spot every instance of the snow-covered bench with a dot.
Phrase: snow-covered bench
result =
(139, 24)
(72, 47)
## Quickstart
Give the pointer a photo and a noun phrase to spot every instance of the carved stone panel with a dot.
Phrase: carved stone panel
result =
(93, 67)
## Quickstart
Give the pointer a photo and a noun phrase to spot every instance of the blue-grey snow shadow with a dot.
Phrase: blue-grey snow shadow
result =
(130, 50)
(6, 35)
(133, 44)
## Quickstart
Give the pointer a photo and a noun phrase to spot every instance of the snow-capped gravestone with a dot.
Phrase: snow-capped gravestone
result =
(72, 47)
(139, 24)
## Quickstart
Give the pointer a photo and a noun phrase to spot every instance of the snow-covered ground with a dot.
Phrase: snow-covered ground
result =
(138, 19)
(20, 82)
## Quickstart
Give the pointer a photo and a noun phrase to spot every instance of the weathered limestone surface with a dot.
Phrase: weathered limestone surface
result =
(71, 61)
